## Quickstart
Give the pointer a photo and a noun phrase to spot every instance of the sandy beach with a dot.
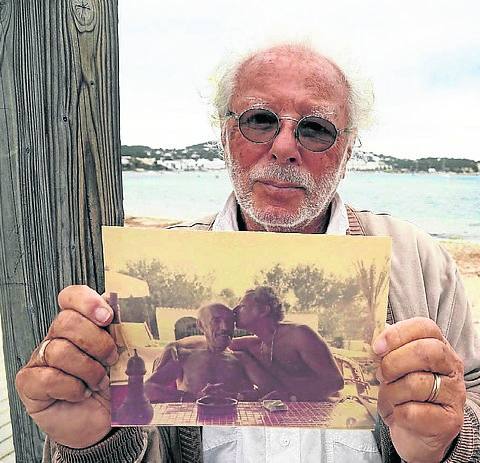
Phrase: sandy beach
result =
(465, 253)
(467, 257)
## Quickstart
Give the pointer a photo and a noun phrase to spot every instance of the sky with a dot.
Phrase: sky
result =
(233, 259)
(422, 57)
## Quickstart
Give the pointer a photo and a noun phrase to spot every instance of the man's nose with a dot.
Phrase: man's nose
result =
(284, 148)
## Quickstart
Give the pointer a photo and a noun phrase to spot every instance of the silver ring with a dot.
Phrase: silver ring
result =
(435, 392)
(41, 351)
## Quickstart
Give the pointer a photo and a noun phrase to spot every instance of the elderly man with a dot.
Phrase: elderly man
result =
(195, 371)
(289, 119)
(297, 357)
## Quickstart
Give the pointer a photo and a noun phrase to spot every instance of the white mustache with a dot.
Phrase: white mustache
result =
(283, 174)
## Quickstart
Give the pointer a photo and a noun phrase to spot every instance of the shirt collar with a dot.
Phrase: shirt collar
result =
(226, 220)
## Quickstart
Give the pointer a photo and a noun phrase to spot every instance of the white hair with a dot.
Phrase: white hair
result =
(360, 90)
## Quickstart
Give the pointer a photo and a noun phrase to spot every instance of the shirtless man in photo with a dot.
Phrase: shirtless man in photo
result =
(294, 354)
(209, 369)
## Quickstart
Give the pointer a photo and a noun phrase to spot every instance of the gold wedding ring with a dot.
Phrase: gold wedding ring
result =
(41, 352)
(435, 392)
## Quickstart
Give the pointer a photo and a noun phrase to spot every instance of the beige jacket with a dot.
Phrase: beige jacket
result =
(424, 282)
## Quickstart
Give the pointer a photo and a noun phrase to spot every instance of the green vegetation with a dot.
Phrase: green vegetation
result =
(137, 150)
(457, 166)
(308, 289)
(170, 289)
(302, 289)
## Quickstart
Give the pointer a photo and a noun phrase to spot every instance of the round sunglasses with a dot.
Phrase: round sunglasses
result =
(260, 125)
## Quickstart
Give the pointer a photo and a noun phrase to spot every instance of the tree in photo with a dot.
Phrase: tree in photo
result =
(311, 290)
(372, 281)
(169, 288)
(228, 297)
(277, 279)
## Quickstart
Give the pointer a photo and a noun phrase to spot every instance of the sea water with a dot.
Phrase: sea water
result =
(446, 206)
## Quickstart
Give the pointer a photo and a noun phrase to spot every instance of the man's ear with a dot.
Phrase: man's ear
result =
(349, 151)
(223, 135)
(200, 325)
(347, 155)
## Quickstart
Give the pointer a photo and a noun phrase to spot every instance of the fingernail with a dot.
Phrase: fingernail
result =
(88, 393)
(102, 314)
(380, 346)
(104, 383)
(112, 358)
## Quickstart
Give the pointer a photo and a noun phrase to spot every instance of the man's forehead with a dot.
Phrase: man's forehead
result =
(262, 79)
(268, 62)
(324, 110)
(214, 311)
(220, 311)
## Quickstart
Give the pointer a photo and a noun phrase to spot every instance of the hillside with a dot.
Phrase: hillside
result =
(207, 156)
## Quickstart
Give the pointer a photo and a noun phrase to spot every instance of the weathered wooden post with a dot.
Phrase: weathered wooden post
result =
(60, 170)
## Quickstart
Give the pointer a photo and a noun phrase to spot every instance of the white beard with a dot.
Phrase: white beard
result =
(318, 194)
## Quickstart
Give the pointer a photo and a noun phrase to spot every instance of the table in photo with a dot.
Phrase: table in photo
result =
(341, 415)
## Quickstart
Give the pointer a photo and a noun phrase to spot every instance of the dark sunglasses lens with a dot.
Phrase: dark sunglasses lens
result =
(258, 125)
(316, 134)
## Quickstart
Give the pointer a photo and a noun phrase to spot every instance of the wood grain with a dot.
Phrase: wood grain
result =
(60, 169)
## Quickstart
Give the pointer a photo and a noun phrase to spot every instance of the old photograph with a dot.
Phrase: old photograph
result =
(245, 329)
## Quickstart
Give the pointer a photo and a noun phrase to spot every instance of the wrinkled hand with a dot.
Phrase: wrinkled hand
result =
(411, 351)
(67, 395)
(160, 393)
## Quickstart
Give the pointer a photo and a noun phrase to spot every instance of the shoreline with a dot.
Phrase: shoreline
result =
(161, 222)
(440, 173)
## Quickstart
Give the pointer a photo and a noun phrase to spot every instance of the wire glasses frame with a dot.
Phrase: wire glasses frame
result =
(260, 125)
